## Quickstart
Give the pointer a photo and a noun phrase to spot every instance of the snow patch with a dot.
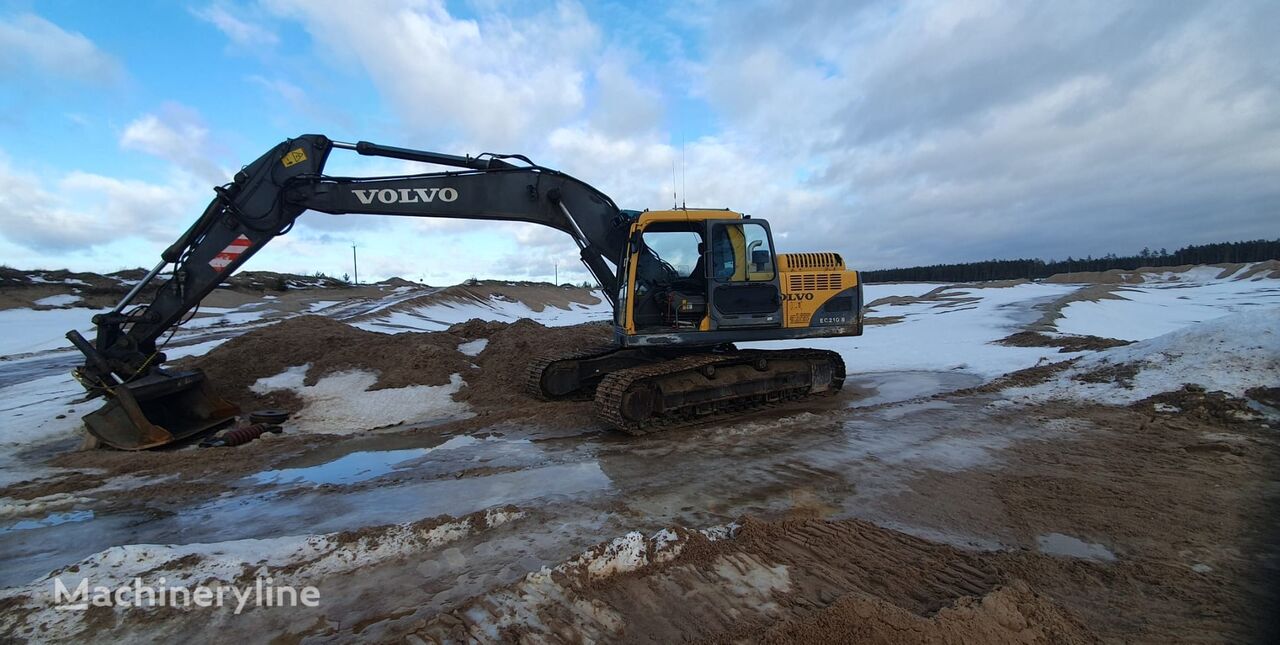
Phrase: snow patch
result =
(24, 331)
(440, 316)
(11, 508)
(473, 348)
(60, 300)
(322, 304)
(29, 412)
(297, 560)
(1231, 354)
(1167, 302)
(343, 402)
(954, 334)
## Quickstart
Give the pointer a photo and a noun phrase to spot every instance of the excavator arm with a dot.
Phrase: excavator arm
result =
(263, 202)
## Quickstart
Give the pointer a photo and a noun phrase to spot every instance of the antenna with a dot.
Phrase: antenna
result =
(675, 201)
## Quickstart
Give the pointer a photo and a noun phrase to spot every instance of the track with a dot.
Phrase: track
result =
(693, 388)
(536, 385)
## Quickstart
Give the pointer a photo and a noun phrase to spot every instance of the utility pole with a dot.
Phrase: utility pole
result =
(557, 267)
(355, 268)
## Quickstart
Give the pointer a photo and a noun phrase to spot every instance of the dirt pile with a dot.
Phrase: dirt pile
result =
(1026, 377)
(511, 348)
(23, 289)
(494, 377)
(1266, 269)
(1217, 408)
(1066, 344)
(485, 293)
(793, 580)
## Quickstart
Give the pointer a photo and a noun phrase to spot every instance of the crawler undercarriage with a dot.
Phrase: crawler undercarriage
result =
(639, 391)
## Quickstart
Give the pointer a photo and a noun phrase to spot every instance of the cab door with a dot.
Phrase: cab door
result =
(742, 275)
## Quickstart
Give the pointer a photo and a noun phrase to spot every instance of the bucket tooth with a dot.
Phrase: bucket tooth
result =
(159, 409)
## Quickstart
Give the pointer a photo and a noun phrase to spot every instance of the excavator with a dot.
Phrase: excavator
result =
(685, 285)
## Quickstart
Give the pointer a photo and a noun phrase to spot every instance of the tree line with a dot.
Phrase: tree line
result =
(1223, 252)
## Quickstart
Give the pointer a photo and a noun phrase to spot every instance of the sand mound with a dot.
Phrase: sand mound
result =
(1214, 408)
(1065, 343)
(1230, 270)
(796, 580)
(485, 293)
(505, 360)
(495, 376)
(1010, 614)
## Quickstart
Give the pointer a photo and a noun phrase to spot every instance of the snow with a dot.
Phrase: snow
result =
(953, 335)
(521, 604)
(474, 347)
(29, 412)
(23, 331)
(11, 508)
(295, 560)
(221, 316)
(343, 402)
(321, 304)
(1166, 302)
(1231, 353)
(198, 349)
(358, 466)
(872, 292)
(436, 317)
(60, 300)
(43, 280)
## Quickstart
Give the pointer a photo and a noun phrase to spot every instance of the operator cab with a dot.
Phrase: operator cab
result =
(698, 270)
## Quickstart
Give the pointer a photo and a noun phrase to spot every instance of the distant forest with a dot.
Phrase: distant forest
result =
(1251, 251)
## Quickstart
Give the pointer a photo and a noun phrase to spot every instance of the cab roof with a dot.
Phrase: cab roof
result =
(686, 215)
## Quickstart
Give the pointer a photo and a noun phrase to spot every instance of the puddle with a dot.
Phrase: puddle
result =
(1065, 545)
(53, 519)
(356, 466)
(698, 477)
(34, 552)
(919, 439)
(894, 387)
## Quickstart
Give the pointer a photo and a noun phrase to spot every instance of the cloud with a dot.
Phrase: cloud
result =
(177, 134)
(489, 80)
(895, 133)
(242, 33)
(35, 47)
(81, 210)
(966, 130)
(623, 105)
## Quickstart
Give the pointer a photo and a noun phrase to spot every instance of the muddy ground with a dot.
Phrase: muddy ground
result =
(951, 517)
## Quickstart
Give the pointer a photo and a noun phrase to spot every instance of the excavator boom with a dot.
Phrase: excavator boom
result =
(149, 405)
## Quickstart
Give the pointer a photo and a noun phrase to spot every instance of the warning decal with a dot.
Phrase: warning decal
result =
(229, 254)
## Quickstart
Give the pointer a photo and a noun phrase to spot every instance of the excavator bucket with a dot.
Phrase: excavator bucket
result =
(159, 409)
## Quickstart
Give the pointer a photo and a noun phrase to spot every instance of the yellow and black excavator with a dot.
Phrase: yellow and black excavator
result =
(685, 284)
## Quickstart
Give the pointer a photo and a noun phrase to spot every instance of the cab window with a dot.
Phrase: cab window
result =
(741, 253)
(676, 250)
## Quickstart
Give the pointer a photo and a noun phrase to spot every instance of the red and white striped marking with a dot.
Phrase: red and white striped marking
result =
(229, 254)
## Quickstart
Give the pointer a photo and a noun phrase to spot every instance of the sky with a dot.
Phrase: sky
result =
(895, 133)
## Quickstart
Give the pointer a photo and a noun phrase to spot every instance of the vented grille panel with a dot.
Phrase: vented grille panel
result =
(812, 261)
(816, 282)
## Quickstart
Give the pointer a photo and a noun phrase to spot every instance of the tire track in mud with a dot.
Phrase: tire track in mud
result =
(784, 581)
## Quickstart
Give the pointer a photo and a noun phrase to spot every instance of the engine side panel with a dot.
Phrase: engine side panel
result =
(817, 291)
